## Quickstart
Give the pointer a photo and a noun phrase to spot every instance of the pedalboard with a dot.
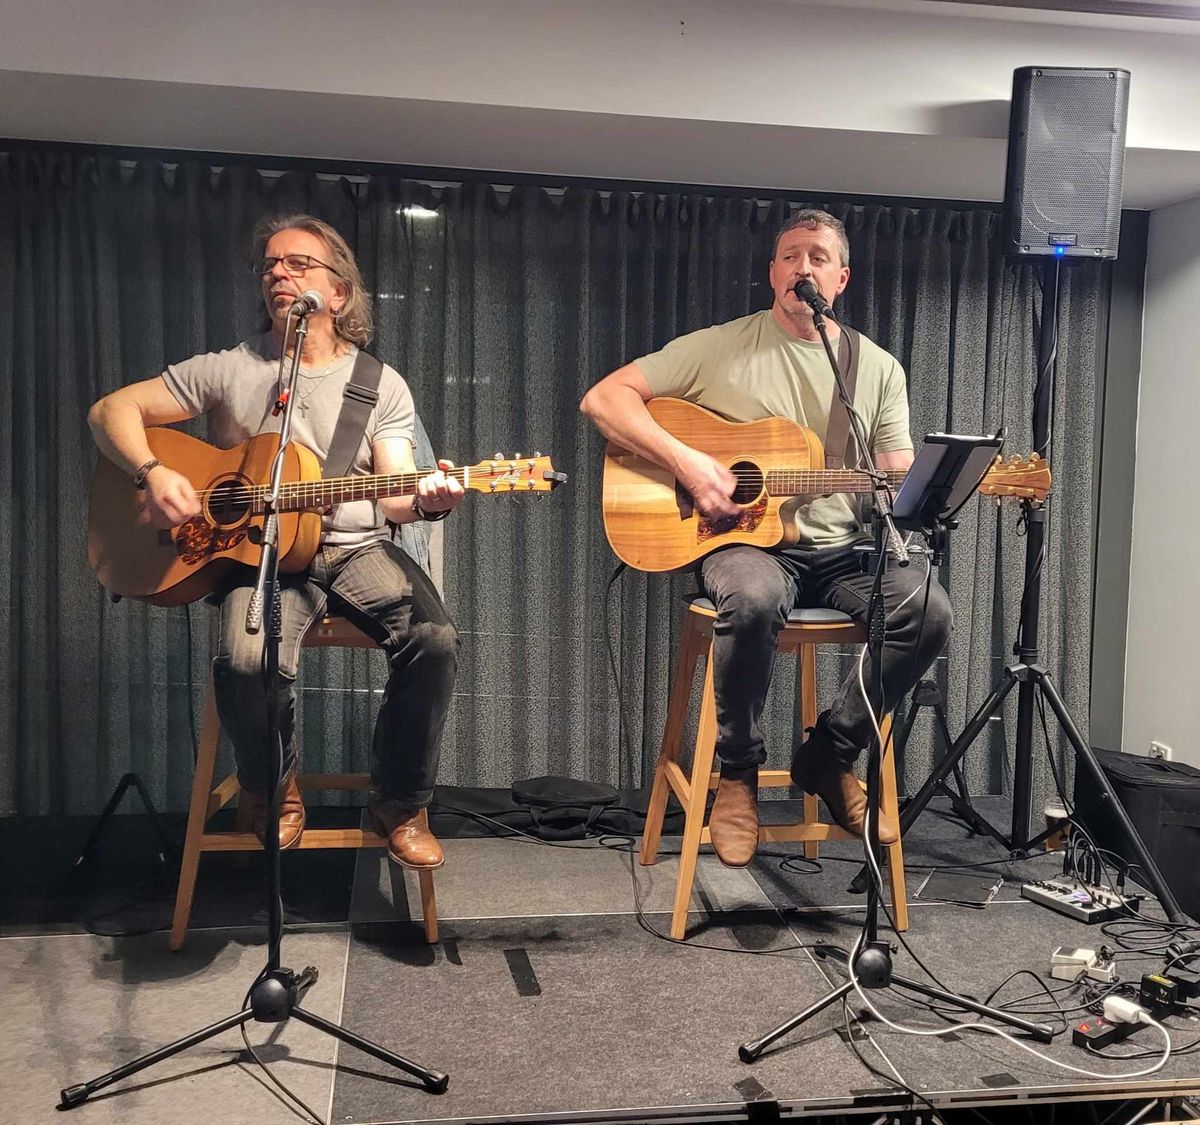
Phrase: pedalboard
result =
(1082, 901)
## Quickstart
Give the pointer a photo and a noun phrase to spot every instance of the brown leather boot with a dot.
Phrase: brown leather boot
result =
(291, 814)
(733, 822)
(409, 841)
(818, 770)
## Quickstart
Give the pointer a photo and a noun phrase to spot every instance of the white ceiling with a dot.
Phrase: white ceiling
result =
(898, 97)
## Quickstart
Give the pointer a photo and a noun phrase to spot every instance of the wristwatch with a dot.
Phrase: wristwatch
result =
(428, 517)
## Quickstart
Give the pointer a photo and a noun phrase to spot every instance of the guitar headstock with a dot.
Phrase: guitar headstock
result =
(1027, 478)
(514, 474)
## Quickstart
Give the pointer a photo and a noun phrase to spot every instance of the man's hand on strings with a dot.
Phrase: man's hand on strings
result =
(710, 484)
(168, 499)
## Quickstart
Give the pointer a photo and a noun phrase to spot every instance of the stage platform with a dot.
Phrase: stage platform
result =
(552, 995)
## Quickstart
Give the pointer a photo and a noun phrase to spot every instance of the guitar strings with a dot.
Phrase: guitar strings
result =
(459, 474)
(259, 491)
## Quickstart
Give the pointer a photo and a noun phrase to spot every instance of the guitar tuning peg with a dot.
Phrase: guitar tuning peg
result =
(537, 453)
(518, 456)
(497, 456)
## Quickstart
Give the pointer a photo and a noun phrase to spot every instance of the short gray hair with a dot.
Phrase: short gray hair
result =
(810, 218)
(353, 321)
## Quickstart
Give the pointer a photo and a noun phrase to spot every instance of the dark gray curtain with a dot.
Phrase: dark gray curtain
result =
(501, 307)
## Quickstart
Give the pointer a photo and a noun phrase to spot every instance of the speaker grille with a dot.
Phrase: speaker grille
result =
(1066, 161)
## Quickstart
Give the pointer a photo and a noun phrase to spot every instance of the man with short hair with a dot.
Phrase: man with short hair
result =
(772, 363)
(358, 571)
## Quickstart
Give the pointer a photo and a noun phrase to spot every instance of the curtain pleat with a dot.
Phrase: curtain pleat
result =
(501, 306)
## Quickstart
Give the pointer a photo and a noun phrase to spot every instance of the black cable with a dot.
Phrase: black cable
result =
(622, 726)
(510, 829)
(187, 612)
(1068, 804)
(1040, 983)
(1008, 861)
(150, 890)
(627, 844)
(890, 1079)
(265, 1067)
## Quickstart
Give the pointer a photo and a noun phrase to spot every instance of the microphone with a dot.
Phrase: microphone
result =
(811, 295)
(310, 301)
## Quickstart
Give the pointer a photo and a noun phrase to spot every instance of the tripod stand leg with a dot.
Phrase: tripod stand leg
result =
(748, 1052)
(168, 849)
(1083, 753)
(77, 1095)
(167, 846)
(990, 706)
(435, 1081)
(1038, 1031)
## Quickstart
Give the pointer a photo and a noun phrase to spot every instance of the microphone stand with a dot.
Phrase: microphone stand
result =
(870, 964)
(274, 996)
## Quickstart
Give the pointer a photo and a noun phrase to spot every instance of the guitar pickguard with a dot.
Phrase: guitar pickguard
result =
(748, 520)
(198, 540)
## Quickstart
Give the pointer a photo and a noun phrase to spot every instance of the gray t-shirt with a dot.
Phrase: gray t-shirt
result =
(749, 368)
(237, 390)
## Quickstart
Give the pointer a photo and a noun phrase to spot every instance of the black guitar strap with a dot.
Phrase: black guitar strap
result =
(358, 399)
(838, 430)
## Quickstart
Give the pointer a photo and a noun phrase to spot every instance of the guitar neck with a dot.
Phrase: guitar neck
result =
(296, 496)
(824, 482)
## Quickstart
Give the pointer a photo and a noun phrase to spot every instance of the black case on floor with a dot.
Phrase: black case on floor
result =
(1163, 801)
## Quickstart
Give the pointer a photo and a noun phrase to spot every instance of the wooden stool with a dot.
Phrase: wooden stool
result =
(329, 632)
(805, 629)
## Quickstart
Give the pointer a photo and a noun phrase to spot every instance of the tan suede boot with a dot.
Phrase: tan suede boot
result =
(733, 822)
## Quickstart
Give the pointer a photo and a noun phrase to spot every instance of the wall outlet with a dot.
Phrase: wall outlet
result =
(1160, 750)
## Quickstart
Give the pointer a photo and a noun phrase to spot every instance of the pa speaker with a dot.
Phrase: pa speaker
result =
(1066, 161)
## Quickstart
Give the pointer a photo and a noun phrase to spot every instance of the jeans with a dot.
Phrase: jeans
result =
(382, 591)
(754, 590)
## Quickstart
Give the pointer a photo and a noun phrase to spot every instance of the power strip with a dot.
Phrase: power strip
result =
(1081, 901)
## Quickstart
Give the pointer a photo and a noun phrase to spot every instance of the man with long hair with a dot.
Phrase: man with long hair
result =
(773, 363)
(358, 571)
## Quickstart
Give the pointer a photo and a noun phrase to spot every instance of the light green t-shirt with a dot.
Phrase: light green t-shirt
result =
(750, 368)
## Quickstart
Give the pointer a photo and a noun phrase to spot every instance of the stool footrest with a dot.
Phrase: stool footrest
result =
(311, 838)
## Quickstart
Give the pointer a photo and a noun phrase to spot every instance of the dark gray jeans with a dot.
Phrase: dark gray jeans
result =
(754, 590)
(385, 593)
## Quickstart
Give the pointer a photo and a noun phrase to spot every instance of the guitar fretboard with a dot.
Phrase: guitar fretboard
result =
(301, 495)
(820, 482)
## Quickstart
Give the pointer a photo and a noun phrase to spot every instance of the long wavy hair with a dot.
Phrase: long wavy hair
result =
(353, 321)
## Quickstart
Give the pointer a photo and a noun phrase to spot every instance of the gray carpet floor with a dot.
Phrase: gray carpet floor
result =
(552, 993)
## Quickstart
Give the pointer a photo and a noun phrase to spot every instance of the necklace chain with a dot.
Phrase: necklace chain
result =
(303, 396)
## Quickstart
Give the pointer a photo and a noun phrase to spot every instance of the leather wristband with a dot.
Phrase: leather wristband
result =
(428, 517)
(139, 478)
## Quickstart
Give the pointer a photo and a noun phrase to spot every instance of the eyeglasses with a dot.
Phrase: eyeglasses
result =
(294, 263)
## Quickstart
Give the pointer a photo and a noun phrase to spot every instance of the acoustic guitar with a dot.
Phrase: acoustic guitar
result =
(184, 563)
(652, 524)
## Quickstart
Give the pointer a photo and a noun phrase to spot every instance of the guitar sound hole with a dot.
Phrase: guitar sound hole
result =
(750, 481)
(229, 503)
